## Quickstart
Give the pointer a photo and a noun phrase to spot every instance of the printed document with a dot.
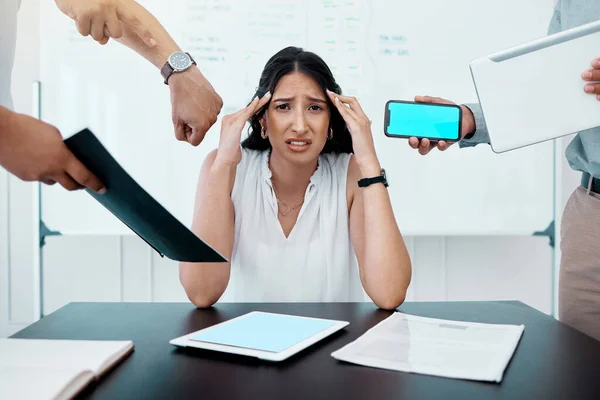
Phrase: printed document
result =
(452, 349)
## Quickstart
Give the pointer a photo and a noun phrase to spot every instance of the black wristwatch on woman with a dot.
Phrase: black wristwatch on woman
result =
(364, 182)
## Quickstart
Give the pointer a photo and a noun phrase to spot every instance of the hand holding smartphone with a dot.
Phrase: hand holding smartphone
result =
(436, 122)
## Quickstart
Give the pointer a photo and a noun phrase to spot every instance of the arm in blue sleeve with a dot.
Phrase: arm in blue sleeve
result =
(555, 22)
(481, 133)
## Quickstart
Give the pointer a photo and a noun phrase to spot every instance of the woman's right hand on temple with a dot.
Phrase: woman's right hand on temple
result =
(231, 131)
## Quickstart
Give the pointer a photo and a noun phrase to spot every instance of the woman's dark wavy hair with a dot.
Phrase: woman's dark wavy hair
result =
(295, 59)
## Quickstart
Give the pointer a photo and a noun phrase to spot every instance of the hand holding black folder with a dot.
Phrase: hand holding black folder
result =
(129, 202)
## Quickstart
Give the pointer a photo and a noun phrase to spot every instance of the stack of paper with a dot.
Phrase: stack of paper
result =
(55, 369)
(430, 346)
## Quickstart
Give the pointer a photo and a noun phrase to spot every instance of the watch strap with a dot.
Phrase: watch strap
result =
(166, 71)
(364, 182)
(191, 58)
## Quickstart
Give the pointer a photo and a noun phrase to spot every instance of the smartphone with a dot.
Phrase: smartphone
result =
(404, 119)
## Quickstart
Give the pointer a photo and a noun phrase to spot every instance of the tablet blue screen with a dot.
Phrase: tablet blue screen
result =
(264, 331)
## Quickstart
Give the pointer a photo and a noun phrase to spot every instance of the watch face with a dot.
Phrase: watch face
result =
(179, 61)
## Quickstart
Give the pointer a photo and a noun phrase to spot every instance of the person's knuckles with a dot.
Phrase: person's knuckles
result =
(202, 129)
(227, 121)
(194, 139)
(179, 134)
(70, 186)
(198, 138)
(107, 7)
(592, 75)
(82, 29)
(592, 88)
(30, 176)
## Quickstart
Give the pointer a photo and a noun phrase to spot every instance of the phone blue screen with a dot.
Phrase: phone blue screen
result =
(423, 120)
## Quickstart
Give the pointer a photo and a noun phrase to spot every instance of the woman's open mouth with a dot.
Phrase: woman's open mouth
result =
(298, 145)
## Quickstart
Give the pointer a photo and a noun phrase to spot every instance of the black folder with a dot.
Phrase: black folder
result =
(129, 202)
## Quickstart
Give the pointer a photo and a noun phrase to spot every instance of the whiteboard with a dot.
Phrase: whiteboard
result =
(378, 50)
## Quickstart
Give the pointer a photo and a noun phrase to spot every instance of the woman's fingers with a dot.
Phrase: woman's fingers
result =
(345, 112)
(256, 104)
(353, 103)
(261, 103)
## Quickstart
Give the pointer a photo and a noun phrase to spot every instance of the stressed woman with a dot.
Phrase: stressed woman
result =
(286, 208)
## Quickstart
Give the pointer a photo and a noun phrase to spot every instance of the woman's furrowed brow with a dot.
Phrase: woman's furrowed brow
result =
(288, 99)
(283, 99)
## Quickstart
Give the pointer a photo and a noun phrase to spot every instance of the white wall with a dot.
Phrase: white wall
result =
(123, 268)
(18, 290)
(4, 253)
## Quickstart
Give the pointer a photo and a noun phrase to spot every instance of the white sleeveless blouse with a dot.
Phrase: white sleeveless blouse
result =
(316, 263)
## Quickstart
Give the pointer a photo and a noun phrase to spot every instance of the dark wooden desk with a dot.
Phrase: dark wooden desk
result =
(552, 360)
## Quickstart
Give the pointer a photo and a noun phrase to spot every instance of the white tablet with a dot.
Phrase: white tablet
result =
(268, 336)
(534, 92)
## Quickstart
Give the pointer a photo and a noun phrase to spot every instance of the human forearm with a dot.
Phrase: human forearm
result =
(213, 221)
(214, 217)
(5, 120)
(164, 44)
(195, 103)
(386, 269)
(384, 264)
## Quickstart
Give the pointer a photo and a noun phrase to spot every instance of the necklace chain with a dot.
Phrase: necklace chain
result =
(285, 210)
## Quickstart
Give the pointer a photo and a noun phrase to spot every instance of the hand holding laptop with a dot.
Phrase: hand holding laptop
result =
(593, 76)
(424, 146)
(536, 91)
